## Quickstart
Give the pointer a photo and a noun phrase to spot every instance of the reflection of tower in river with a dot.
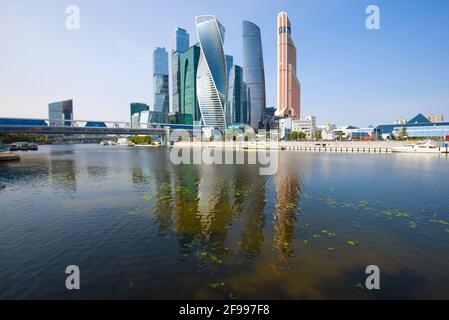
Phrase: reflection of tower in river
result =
(287, 187)
(249, 204)
(63, 174)
(185, 185)
(163, 206)
(214, 206)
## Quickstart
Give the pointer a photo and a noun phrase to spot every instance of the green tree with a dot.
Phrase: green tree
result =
(318, 135)
(403, 133)
(295, 136)
(21, 137)
(141, 140)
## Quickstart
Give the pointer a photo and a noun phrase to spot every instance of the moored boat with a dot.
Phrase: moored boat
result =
(6, 155)
(14, 147)
(24, 146)
(33, 146)
(420, 147)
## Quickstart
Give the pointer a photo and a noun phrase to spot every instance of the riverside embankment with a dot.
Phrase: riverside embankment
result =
(304, 146)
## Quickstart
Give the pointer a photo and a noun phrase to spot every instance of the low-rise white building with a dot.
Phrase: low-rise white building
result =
(306, 125)
(285, 127)
(328, 131)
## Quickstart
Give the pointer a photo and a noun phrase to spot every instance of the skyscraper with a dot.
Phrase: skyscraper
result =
(229, 64)
(188, 92)
(181, 40)
(160, 81)
(211, 78)
(61, 110)
(288, 83)
(253, 72)
(136, 110)
(237, 100)
(180, 44)
(233, 103)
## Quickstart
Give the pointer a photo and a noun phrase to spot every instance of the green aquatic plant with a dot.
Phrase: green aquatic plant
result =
(396, 213)
(306, 242)
(329, 233)
(146, 197)
(215, 285)
(331, 202)
(133, 212)
(353, 242)
(215, 259)
(363, 203)
(439, 221)
(360, 286)
(413, 224)
(165, 186)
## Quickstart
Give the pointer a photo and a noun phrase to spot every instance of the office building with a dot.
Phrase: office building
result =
(157, 117)
(253, 72)
(229, 64)
(161, 101)
(136, 110)
(306, 125)
(188, 92)
(180, 44)
(289, 94)
(211, 75)
(436, 118)
(59, 111)
(417, 127)
(237, 101)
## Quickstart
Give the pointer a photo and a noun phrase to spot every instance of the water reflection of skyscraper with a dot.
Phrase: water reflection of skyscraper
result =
(63, 174)
(288, 190)
(200, 205)
(187, 224)
(251, 207)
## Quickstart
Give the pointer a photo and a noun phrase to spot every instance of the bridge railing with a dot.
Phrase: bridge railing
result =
(78, 123)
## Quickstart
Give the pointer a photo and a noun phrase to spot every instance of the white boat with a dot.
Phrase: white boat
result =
(420, 147)
(108, 143)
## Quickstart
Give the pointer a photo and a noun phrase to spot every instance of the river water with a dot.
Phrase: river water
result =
(138, 226)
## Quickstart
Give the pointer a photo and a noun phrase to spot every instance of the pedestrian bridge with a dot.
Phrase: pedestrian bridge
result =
(62, 127)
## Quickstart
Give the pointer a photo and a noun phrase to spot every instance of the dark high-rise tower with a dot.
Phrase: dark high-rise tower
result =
(180, 45)
(253, 72)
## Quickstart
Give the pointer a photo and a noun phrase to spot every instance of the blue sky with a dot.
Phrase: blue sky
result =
(349, 74)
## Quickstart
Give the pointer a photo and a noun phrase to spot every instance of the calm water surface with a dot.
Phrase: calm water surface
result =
(140, 227)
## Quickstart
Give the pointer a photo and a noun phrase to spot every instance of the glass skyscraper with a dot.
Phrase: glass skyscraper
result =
(161, 101)
(211, 78)
(181, 40)
(253, 72)
(237, 101)
(229, 64)
(180, 44)
(136, 110)
(61, 110)
(188, 92)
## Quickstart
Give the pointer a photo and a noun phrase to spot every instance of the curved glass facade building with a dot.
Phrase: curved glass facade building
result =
(253, 72)
(211, 80)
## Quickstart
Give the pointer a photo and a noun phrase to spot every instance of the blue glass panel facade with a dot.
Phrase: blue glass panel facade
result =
(181, 40)
(61, 110)
(253, 72)
(212, 46)
(160, 61)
